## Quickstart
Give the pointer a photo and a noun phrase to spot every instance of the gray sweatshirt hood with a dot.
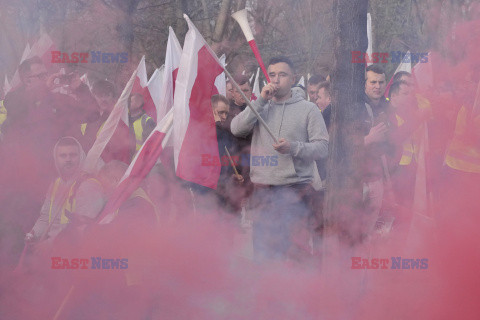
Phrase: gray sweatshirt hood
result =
(296, 97)
(298, 121)
(82, 153)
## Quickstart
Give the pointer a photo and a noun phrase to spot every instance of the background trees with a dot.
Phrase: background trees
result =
(300, 29)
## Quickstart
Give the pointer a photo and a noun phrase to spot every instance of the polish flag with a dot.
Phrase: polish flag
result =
(403, 66)
(141, 86)
(141, 165)
(154, 85)
(221, 80)
(172, 62)
(115, 134)
(194, 125)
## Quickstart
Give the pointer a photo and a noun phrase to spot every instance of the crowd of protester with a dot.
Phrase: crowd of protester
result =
(277, 183)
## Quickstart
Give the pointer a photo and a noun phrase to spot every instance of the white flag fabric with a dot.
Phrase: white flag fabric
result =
(221, 80)
(194, 126)
(117, 118)
(141, 165)
(155, 84)
(172, 62)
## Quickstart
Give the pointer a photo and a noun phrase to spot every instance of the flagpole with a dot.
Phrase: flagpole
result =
(64, 302)
(247, 100)
(231, 162)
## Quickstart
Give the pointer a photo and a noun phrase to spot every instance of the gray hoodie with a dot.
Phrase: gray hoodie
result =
(89, 200)
(298, 121)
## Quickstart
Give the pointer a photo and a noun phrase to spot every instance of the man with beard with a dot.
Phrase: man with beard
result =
(73, 195)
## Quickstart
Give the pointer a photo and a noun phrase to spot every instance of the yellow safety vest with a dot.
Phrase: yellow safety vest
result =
(139, 192)
(411, 146)
(69, 203)
(83, 128)
(138, 126)
(3, 113)
(463, 152)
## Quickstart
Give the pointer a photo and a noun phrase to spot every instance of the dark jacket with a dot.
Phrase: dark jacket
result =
(372, 164)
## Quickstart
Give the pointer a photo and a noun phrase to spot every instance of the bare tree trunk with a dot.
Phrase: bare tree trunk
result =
(222, 19)
(207, 30)
(181, 25)
(344, 185)
(241, 4)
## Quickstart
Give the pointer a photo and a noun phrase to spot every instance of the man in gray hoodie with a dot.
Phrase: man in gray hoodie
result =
(282, 172)
(72, 196)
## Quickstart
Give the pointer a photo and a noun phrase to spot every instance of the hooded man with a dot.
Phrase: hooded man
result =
(72, 196)
(282, 172)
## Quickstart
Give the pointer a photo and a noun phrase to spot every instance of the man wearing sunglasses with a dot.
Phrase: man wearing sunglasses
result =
(36, 119)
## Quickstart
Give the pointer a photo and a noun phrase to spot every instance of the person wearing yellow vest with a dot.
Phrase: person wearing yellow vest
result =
(72, 195)
(411, 110)
(463, 152)
(141, 125)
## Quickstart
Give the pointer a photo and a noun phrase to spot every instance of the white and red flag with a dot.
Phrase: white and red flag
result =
(221, 80)
(114, 134)
(140, 86)
(154, 85)
(141, 165)
(194, 126)
(172, 62)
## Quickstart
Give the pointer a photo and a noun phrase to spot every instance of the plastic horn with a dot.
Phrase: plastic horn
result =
(241, 18)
